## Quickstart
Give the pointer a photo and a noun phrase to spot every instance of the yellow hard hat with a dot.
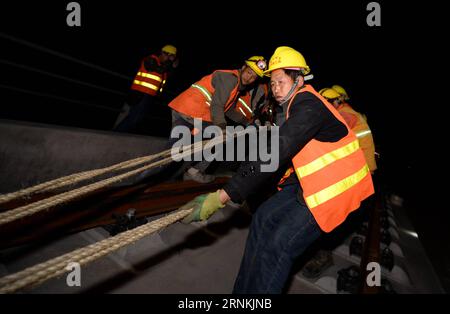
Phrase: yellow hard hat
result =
(329, 93)
(258, 64)
(170, 49)
(287, 58)
(340, 90)
(320, 92)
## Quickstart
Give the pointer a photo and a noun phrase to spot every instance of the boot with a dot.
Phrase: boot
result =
(318, 264)
(197, 176)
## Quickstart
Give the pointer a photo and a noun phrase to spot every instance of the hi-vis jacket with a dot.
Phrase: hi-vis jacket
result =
(247, 102)
(363, 133)
(334, 176)
(196, 100)
(147, 82)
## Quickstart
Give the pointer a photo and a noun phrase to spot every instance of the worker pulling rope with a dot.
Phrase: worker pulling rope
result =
(42, 272)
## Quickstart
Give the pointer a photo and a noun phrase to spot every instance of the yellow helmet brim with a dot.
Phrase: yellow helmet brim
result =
(305, 70)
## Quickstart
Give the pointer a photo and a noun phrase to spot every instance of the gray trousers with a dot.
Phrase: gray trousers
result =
(179, 119)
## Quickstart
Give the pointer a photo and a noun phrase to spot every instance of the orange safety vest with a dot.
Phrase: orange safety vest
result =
(196, 100)
(147, 82)
(334, 176)
(363, 134)
(244, 106)
(244, 103)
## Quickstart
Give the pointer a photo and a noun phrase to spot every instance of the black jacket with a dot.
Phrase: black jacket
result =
(308, 119)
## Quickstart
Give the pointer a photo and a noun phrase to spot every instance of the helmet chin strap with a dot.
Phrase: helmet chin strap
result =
(291, 91)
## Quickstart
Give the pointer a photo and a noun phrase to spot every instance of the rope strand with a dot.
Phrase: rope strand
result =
(42, 272)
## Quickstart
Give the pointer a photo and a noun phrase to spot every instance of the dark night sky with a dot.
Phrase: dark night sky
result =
(379, 66)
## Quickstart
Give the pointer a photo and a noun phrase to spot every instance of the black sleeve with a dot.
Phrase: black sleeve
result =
(259, 98)
(308, 119)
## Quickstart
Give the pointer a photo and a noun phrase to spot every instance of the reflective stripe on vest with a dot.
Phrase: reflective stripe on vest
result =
(150, 76)
(245, 105)
(327, 159)
(334, 190)
(361, 134)
(161, 89)
(145, 84)
(242, 111)
(205, 92)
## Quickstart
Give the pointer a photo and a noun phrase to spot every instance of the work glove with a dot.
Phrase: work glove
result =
(204, 206)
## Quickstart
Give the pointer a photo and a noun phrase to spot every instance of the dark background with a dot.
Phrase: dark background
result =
(384, 69)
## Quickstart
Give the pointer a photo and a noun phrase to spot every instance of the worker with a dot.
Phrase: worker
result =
(148, 84)
(211, 99)
(252, 98)
(326, 179)
(338, 97)
(341, 91)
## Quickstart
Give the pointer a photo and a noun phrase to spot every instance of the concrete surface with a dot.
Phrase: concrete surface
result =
(32, 153)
